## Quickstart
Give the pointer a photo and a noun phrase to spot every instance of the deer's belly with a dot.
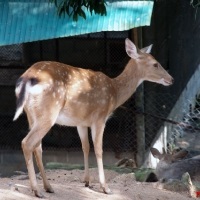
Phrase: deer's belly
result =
(67, 120)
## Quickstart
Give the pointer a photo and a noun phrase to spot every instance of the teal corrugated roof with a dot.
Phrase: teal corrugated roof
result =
(26, 21)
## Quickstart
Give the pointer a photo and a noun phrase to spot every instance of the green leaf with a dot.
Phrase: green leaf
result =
(82, 14)
(75, 17)
(67, 9)
(65, 6)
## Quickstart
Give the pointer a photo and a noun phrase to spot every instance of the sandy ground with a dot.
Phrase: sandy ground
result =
(68, 185)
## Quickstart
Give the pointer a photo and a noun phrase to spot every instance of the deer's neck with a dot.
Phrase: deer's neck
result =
(127, 82)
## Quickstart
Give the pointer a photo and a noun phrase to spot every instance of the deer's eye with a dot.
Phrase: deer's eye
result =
(156, 65)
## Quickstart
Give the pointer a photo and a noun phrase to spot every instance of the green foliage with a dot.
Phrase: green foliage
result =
(195, 4)
(74, 8)
(141, 174)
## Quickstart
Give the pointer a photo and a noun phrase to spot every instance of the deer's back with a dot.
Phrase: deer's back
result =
(177, 169)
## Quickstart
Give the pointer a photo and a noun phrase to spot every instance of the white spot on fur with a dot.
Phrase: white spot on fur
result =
(103, 101)
(38, 71)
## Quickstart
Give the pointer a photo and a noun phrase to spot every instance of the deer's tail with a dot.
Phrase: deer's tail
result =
(21, 91)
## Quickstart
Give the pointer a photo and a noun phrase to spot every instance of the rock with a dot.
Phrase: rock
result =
(175, 185)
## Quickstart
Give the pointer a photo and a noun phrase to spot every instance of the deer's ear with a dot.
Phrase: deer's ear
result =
(156, 153)
(131, 49)
(147, 49)
(180, 155)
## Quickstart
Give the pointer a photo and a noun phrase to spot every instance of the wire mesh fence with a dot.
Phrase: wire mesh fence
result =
(185, 134)
(120, 134)
(11, 55)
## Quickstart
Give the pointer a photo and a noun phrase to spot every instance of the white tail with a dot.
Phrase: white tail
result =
(52, 92)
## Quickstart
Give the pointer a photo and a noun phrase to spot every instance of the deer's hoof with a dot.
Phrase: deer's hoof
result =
(38, 194)
(106, 190)
(87, 184)
(49, 189)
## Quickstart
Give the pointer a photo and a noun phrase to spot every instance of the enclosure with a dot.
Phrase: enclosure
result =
(155, 116)
(153, 111)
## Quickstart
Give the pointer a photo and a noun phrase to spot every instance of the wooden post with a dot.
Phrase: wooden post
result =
(139, 103)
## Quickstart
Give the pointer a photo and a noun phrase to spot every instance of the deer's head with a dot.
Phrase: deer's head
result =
(169, 158)
(150, 68)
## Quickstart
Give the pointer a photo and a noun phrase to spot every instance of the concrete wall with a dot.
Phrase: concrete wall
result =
(11, 161)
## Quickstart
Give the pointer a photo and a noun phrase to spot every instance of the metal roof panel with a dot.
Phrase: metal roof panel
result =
(26, 21)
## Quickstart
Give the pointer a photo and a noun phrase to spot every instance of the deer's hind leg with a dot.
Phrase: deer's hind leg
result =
(29, 144)
(39, 126)
(38, 157)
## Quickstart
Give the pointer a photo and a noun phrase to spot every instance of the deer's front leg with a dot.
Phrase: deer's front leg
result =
(83, 134)
(97, 137)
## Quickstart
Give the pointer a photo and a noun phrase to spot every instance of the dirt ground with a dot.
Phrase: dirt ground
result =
(68, 185)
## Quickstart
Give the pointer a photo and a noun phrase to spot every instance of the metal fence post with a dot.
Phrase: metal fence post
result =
(139, 103)
(140, 126)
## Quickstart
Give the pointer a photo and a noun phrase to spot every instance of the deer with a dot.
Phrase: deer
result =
(174, 165)
(55, 93)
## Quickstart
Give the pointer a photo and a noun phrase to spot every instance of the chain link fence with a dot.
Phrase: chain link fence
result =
(120, 134)
(186, 133)
(104, 52)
